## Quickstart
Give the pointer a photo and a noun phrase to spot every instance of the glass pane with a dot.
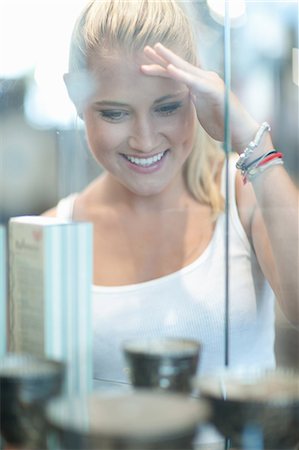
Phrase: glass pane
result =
(264, 64)
(163, 264)
(36, 113)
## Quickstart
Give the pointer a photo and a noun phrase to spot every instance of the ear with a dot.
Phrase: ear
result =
(80, 87)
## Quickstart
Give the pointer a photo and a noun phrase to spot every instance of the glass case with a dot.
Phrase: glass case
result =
(45, 157)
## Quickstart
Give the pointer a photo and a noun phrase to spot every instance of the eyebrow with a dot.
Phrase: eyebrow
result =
(167, 97)
(159, 100)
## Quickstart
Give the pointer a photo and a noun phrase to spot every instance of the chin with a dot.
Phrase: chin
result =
(146, 191)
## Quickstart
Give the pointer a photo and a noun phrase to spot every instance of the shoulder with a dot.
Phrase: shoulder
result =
(91, 203)
(50, 212)
(64, 208)
(77, 205)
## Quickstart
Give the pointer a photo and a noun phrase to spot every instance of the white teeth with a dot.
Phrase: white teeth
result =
(145, 161)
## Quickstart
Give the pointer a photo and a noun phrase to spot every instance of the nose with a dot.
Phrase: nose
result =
(144, 135)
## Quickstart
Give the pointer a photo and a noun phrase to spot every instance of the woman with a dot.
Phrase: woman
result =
(152, 119)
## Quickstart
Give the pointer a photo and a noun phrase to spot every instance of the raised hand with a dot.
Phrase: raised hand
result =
(207, 91)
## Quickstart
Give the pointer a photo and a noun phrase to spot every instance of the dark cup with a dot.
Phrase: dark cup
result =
(138, 420)
(254, 410)
(164, 363)
(26, 384)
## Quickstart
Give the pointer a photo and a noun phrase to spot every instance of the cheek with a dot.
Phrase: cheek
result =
(103, 138)
(184, 127)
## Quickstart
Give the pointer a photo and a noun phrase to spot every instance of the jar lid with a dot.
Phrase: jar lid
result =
(167, 346)
(17, 366)
(271, 386)
(140, 414)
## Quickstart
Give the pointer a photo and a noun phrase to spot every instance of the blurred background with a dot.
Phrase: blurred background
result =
(43, 154)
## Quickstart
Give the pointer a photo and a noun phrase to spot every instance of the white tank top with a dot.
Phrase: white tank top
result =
(190, 303)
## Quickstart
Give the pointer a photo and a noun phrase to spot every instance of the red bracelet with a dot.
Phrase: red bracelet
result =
(269, 158)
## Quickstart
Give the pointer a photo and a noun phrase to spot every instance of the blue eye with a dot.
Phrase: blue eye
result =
(170, 108)
(113, 115)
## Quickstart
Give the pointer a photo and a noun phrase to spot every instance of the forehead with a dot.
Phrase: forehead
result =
(117, 65)
(119, 75)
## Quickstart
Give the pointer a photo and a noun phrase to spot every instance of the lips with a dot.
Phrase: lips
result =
(145, 162)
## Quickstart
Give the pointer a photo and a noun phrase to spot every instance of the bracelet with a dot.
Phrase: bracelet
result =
(251, 167)
(270, 158)
(240, 164)
(261, 169)
(258, 160)
(270, 161)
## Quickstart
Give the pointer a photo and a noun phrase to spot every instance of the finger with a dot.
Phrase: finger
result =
(191, 80)
(153, 55)
(172, 72)
(154, 70)
(170, 58)
(174, 59)
(175, 74)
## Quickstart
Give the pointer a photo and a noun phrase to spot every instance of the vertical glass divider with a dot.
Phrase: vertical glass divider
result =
(227, 144)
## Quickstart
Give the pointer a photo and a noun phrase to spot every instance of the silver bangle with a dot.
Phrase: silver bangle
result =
(252, 145)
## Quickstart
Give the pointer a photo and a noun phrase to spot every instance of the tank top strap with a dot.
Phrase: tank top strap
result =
(231, 179)
(65, 207)
(233, 208)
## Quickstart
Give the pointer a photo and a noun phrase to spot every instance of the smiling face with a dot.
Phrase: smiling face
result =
(139, 128)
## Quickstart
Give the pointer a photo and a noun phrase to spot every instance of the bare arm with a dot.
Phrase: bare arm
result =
(273, 232)
(276, 227)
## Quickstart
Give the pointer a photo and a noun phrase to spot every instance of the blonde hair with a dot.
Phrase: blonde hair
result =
(129, 25)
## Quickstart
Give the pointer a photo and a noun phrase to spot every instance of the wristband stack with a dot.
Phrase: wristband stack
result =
(251, 170)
